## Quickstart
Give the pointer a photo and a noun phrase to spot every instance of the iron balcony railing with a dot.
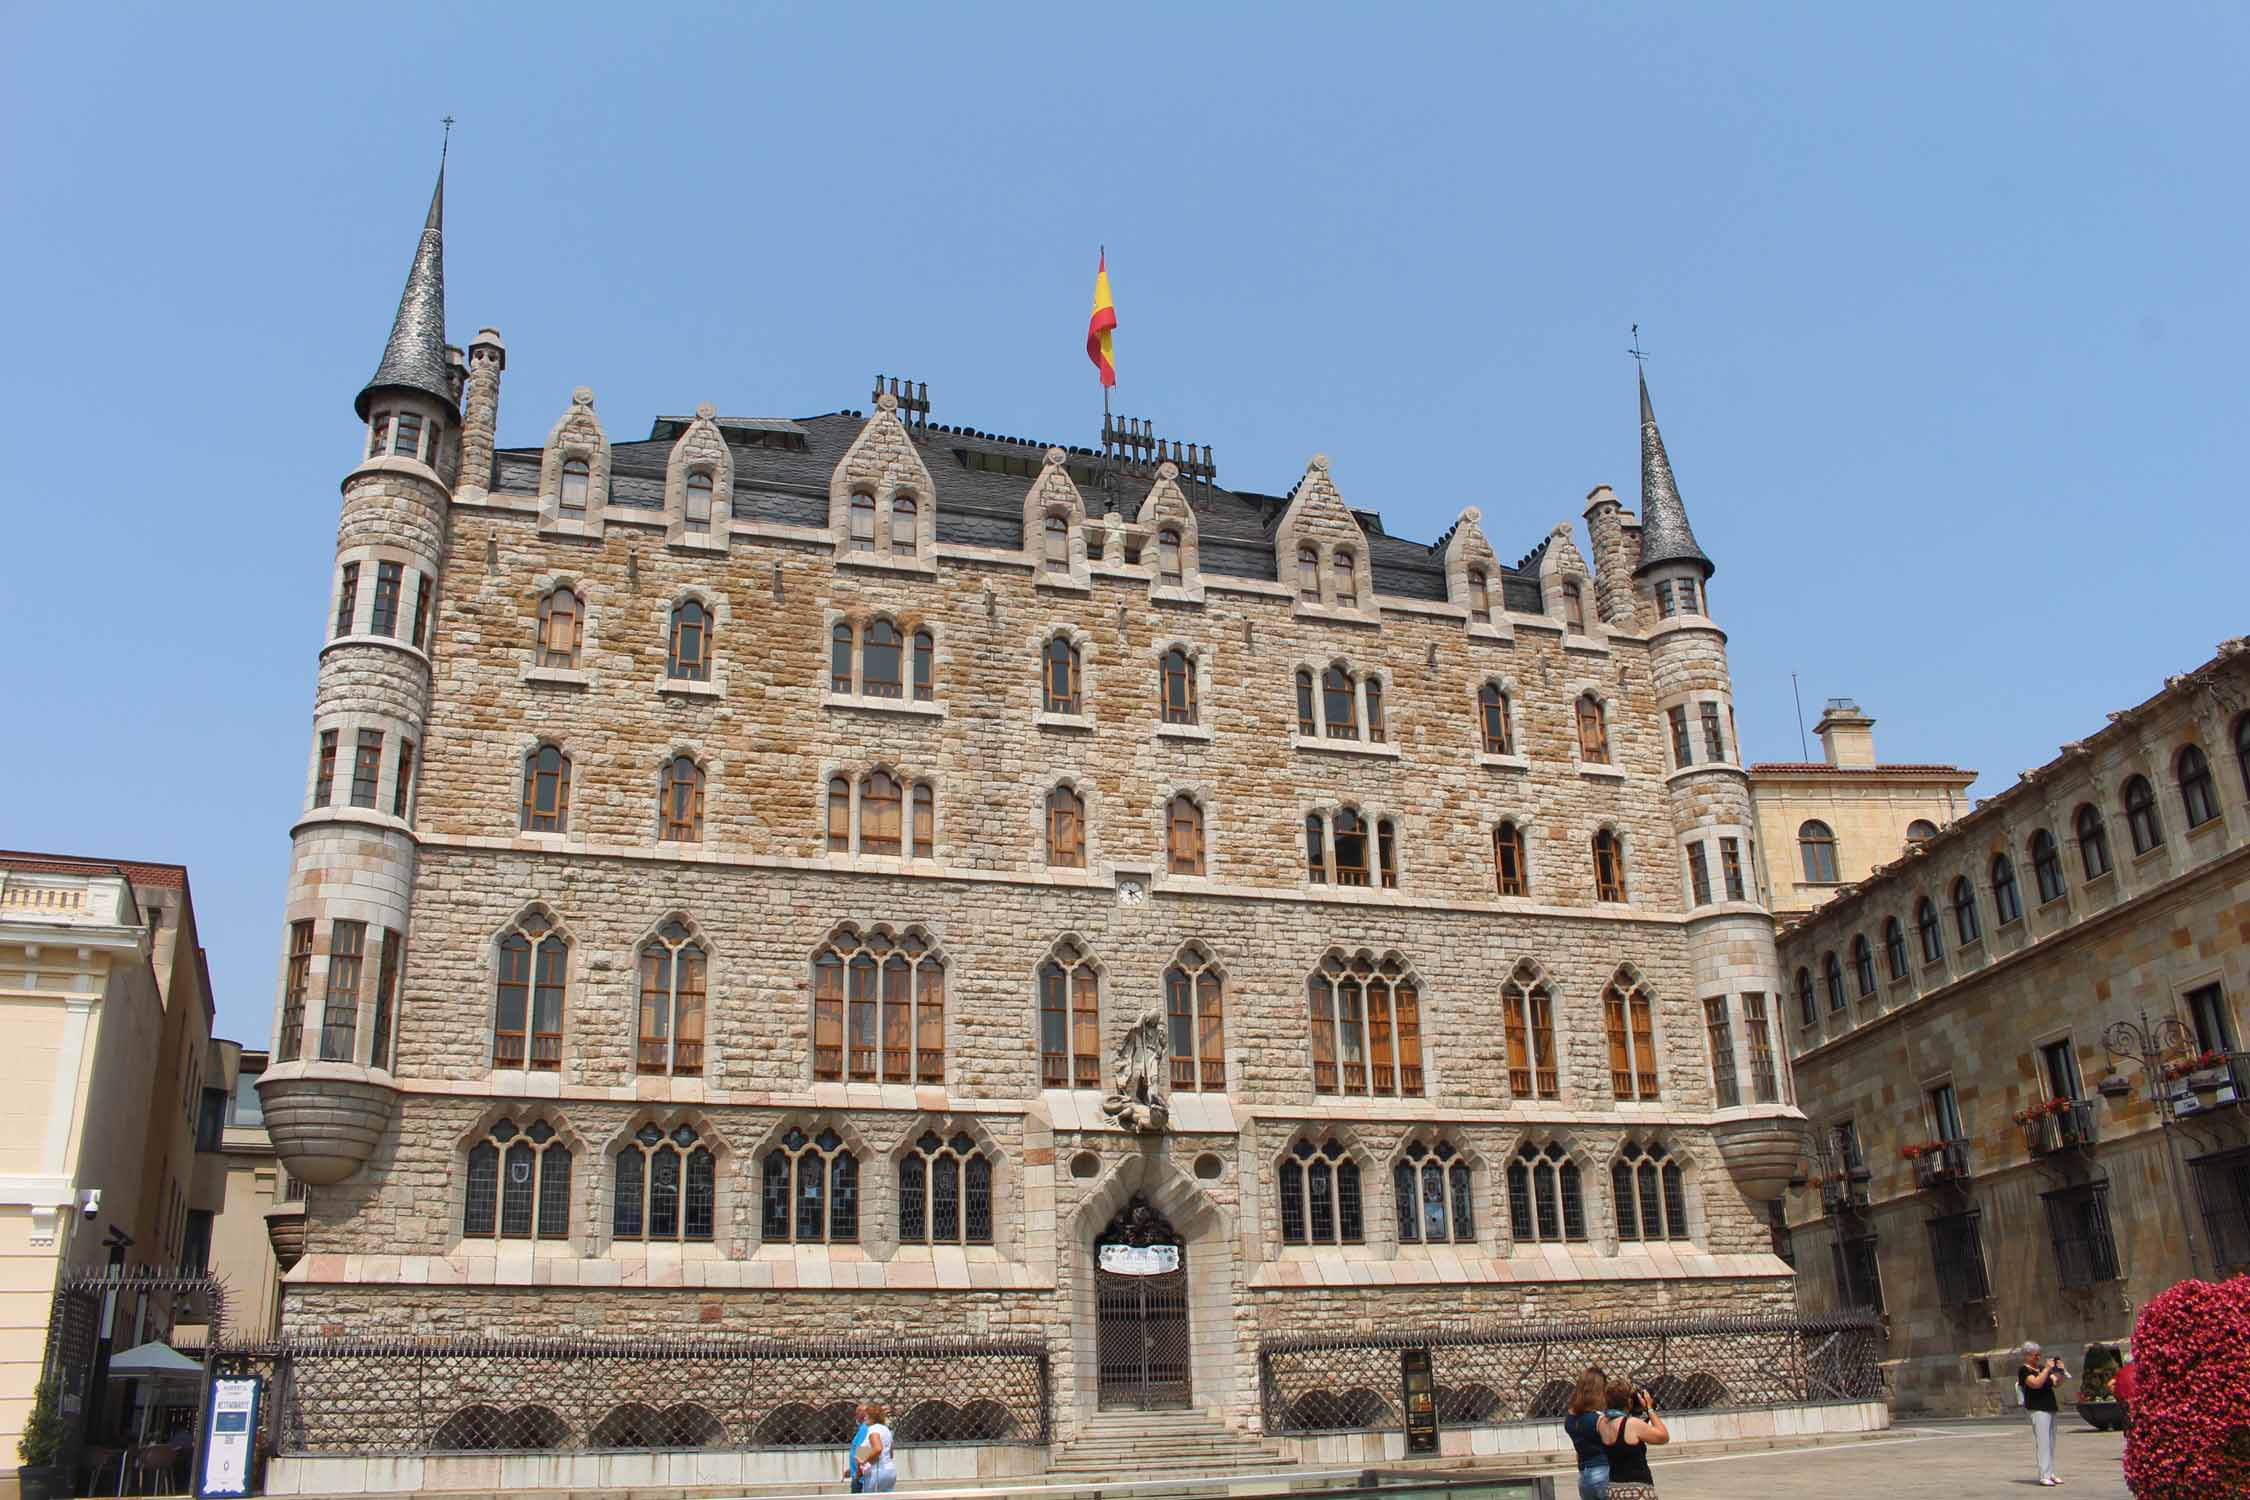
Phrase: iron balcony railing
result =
(1947, 1166)
(2071, 1130)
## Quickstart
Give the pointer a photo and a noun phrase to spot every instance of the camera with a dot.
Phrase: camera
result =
(90, 1203)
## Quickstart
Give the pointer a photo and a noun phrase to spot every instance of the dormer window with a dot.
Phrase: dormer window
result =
(863, 523)
(1308, 575)
(1574, 609)
(698, 514)
(902, 525)
(1168, 557)
(1347, 580)
(1057, 545)
(1480, 595)
(577, 479)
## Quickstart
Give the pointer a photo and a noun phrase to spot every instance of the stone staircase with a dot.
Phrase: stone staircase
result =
(1127, 1445)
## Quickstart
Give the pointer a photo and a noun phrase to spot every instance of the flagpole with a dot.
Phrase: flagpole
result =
(1109, 487)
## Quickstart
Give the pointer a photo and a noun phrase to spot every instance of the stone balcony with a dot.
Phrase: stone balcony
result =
(1762, 1148)
(325, 1117)
(285, 1231)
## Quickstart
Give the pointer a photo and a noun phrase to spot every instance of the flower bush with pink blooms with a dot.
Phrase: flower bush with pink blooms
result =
(2190, 1438)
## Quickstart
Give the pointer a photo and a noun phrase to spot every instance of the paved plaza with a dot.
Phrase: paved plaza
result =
(1961, 1460)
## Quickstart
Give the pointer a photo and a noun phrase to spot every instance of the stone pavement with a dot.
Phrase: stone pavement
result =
(1958, 1460)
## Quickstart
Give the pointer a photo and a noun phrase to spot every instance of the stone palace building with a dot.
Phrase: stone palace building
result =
(838, 875)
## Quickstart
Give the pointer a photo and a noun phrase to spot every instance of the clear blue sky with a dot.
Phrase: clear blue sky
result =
(1946, 310)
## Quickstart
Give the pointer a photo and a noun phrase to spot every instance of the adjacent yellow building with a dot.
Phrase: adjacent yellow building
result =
(1828, 823)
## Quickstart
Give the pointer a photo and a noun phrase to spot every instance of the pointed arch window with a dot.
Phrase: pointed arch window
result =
(862, 523)
(840, 654)
(1511, 870)
(1366, 1027)
(528, 1015)
(1320, 1198)
(809, 1190)
(1063, 684)
(518, 1184)
(1528, 1005)
(577, 482)
(1339, 705)
(881, 661)
(673, 968)
(1574, 609)
(1546, 1201)
(886, 995)
(1345, 564)
(2046, 866)
(1055, 534)
(1308, 724)
(1650, 1192)
(696, 516)
(1926, 925)
(904, 516)
(1339, 849)
(688, 658)
(1308, 575)
(546, 790)
(1609, 866)
(679, 801)
(925, 664)
(2093, 840)
(1195, 1018)
(1832, 980)
(839, 815)
(1966, 924)
(881, 802)
(1863, 965)
(666, 1187)
(1492, 720)
(1176, 686)
(1593, 731)
(2199, 799)
(562, 629)
(1070, 1035)
(1430, 1185)
(1183, 823)
(1816, 842)
(1480, 596)
(2007, 901)
(1169, 560)
(1808, 1005)
(1629, 1017)
(1894, 947)
(944, 1192)
(925, 820)
(1066, 828)
(2141, 817)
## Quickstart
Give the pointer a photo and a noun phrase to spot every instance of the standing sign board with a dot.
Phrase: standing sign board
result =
(1418, 1389)
(230, 1430)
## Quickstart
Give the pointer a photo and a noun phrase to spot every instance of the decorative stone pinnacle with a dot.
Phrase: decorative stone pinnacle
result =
(1320, 462)
(583, 396)
(1054, 456)
(886, 402)
(1471, 515)
(705, 411)
(1167, 470)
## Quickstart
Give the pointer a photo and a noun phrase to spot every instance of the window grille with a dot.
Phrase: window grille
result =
(1430, 1186)
(1650, 1193)
(1546, 1203)
(665, 1187)
(518, 1184)
(1957, 1257)
(1319, 1193)
(944, 1192)
(2078, 1224)
(809, 1191)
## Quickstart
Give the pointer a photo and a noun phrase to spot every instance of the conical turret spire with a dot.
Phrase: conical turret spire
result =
(1665, 536)
(414, 359)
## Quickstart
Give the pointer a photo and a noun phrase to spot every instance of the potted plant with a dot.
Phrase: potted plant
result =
(39, 1447)
(2097, 1401)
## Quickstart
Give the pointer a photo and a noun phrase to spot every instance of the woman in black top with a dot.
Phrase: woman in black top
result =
(2038, 1378)
(1627, 1437)
(1581, 1426)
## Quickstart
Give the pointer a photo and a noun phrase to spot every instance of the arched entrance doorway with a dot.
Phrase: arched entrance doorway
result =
(1141, 1310)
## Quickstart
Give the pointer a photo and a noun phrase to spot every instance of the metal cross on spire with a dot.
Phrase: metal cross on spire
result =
(1640, 355)
(447, 145)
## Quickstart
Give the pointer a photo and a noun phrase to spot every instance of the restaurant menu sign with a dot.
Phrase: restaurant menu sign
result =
(1418, 1386)
(229, 1428)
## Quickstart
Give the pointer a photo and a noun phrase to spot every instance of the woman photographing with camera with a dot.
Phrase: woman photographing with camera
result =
(2036, 1381)
(1628, 1437)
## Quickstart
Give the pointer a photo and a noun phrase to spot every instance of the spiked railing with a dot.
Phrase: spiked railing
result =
(1526, 1372)
(408, 1396)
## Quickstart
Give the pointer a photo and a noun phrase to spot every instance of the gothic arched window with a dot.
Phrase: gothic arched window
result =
(562, 628)
(666, 1187)
(1168, 557)
(1574, 608)
(1176, 686)
(1183, 822)
(863, 523)
(881, 663)
(1064, 688)
(1593, 731)
(673, 969)
(1510, 869)
(679, 801)
(1650, 1192)
(1492, 720)
(1629, 1017)
(944, 1192)
(1609, 867)
(881, 807)
(878, 1008)
(546, 790)
(809, 1191)
(1366, 1026)
(903, 512)
(1066, 828)
(1527, 1003)
(1347, 578)
(1070, 1033)
(1194, 1014)
(1308, 575)
(1431, 1189)
(1320, 1202)
(528, 1013)
(696, 515)
(1546, 1203)
(925, 664)
(577, 480)
(1480, 596)
(518, 1184)
(1055, 534)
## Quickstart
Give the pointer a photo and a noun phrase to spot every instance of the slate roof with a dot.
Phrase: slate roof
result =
(782, 468)
(1665, 534)
(414, 356)
(1891, 768)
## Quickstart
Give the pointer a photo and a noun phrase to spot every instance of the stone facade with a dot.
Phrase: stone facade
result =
(755, 710)
(1872, 811)
(2018, 1009)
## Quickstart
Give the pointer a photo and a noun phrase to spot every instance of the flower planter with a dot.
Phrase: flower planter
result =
(2103, 1416)
(39, 1481)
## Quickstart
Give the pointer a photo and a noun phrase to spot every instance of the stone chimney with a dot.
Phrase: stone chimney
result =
(1847, 736)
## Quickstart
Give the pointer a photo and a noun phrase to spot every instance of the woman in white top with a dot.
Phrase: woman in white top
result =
(878, 1459)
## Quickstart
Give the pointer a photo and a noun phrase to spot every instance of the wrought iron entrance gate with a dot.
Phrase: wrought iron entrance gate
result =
(1144, 1339)
(1141, 1322)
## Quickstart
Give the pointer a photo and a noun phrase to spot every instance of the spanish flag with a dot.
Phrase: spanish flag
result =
(1101, 328)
